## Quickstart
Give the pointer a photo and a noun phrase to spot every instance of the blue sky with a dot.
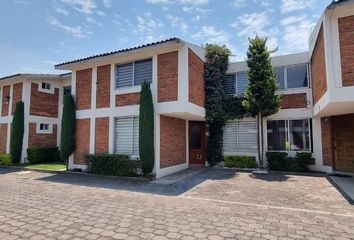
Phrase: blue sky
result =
(36, 34)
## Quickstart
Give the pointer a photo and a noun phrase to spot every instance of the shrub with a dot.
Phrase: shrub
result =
(41, 154)
(277, 160)
(109, 164)
(5, 159)
(240, 161)
(17, 131)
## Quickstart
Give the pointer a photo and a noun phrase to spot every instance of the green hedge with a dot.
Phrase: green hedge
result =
(109, 164)
(42, 154)
(5, 159)
(279, 161)
(240, 161)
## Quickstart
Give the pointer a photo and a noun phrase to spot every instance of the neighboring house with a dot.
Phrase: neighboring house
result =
(42, 95)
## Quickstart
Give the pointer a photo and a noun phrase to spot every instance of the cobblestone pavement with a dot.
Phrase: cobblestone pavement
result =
(230, 206)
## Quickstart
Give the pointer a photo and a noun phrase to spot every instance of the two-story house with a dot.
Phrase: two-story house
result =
(42, 95)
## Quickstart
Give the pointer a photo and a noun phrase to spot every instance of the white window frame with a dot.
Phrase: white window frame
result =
(133, 74)
(131, 154)
(44, 131)
(287, 137)
(45, 90)
(286, 76)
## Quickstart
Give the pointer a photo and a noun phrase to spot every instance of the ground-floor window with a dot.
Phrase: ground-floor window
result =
(289, 135)
(126, 135)
(240, 136)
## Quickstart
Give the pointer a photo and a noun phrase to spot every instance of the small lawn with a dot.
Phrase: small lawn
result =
(45, 166)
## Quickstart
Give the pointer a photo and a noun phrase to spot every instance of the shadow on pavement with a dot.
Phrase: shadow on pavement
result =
(131, 185)
(272, 177)
(7, 170)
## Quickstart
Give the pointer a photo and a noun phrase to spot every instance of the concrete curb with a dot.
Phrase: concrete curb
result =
(341, 190)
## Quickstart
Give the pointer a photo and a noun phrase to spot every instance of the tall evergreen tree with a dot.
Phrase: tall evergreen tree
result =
(146, 129)
(68, 126)
(260, 99)
(17, 131)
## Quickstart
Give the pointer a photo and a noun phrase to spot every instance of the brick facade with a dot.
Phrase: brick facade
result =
(195, 79)
(3, 137)
(297, 100)
(172, 141)
(42, 103)
(127, 99)
(318, 68)
(83, 89)
(327, 145)
(167, 77)
(82, 140)
(41, 139)
(101, 135)
(16, 95)
(5, 104)
(103, 86)
(346, 41)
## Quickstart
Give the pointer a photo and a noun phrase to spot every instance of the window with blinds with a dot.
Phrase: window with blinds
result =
(127, 136)
(235, 84)
(240, 136)
(134, 73)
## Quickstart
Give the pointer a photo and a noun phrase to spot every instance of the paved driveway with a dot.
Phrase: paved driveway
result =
(216, 204)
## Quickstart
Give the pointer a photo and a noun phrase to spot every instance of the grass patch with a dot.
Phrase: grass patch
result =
(45, 166)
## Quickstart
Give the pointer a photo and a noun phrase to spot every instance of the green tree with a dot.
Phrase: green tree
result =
(260, 99)
(146, 129)
(17, 130)
(217, 61)
(68, 126)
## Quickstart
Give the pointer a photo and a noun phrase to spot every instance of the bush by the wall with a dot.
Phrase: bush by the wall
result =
(41, 154)
(109, 164)
(279, 161)
(5, 159)
(240, 161)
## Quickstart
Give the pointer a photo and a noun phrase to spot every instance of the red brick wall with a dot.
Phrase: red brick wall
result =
(83, 89)
(82, 140)
(346, 41)
(327, 146)
(318, 69)
(41, 139)
(3, 137)
(44, 104)
(16, 95)
(127, 99)
(103, 86)
(172, 141)
(196, 79)
(101, 135)
(297, 100)
(167, 83)
(5, 105)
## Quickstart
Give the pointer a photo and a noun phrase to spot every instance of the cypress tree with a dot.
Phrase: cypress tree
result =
(146, 129)
(260, 99)
(17, 131)
(68, 126)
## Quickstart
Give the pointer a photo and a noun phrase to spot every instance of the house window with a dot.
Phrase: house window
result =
(44, 127)
(46, 86)
(134, 73)
(288, 135)
(235, 84)
(66, 90)
(240, 136)
(295, 76)
(127, 135)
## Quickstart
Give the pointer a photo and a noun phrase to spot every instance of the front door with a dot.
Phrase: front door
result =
(197, 139)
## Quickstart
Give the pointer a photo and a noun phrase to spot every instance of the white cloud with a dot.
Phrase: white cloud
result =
(158, 1)
(94, 21)
(252, 24)
(239, 3)
(107, 3)
(21, 2)
(147, 24)
(62, 11)
(83, 6)
(177, 22)
(76, 31)
(186, 2)
(211, 35)
(293, 5)
(195, 9)
(101, 13)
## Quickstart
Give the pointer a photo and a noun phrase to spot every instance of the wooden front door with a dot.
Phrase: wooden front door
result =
(197, 140)
(343, 142)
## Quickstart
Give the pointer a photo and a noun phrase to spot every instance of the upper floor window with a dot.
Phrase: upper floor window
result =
(235, 84)
(44, 127)
(134, 73)
(66, 90)
(295, 76)
(46, 86)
